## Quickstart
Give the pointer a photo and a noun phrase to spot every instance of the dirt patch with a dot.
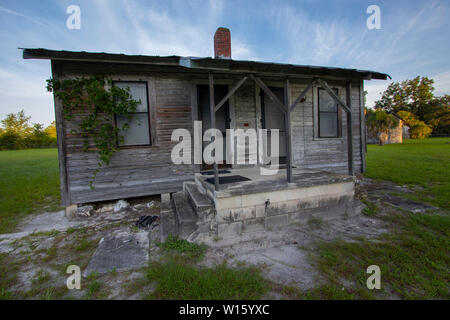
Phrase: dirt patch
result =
(283, 254)
(39, 254)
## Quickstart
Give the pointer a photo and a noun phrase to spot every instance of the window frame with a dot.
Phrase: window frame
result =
(149, 144)
(338, 113)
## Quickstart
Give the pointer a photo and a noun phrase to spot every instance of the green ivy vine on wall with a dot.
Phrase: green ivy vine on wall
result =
(96, 102)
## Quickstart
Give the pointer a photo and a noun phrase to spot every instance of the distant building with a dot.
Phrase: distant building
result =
(395, 135)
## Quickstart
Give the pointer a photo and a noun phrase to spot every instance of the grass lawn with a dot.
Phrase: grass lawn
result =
(29, 182)
(414, 257)
(414, 261)
(425, 163)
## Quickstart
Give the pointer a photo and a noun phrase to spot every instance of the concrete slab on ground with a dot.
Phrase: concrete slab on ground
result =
(120, 252)
(286, 265)
(408, 205)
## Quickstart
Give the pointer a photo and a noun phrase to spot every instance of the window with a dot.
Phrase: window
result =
(329, 115)
(138, 132)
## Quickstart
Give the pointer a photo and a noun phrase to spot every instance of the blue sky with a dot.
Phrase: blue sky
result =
(413, 40)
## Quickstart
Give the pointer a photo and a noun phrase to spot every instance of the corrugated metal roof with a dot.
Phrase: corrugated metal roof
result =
(226, 65)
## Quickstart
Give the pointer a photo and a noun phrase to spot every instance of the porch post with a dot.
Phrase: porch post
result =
(287, 101)
(213, 125)
(348, 92)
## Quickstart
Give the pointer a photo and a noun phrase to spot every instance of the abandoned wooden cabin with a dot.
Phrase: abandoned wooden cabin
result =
(318, 110)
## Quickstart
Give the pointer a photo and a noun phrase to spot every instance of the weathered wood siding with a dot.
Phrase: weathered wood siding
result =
(329, 154)
(133, 171)
(243, 116)
(147, 170)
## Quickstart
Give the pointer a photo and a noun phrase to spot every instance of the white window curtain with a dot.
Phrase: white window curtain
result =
(328, 115)
(138, 132)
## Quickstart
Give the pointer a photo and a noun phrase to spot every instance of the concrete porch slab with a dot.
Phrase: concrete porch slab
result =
(301, 178)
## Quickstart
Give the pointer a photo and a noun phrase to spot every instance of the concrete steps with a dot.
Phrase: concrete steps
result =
(185, 216)
(199, 201)
(187, 213)
(167, 220)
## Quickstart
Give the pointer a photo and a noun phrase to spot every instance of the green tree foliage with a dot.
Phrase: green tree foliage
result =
(417, 128)
(438, 115)
(18, 133)
(17, 123)
(416, 96)
(380, 122)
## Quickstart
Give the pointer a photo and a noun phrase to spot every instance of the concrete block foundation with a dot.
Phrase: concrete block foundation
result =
(267, 203)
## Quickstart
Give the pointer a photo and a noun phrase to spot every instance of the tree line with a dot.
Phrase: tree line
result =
(17, 132)
(415, 103)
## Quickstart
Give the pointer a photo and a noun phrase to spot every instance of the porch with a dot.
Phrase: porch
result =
(282, 102)
(250, 202)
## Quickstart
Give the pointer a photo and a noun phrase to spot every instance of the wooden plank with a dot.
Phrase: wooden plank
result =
(213, 125)
(230, 93)
(60, 138)
(348, 90)
(152, 111)
(362, 126)
(111, 193)
(269, 92)
(302, 94)
(287, 101)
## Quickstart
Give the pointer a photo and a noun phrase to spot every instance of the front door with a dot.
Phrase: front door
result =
(274, 118)
(222, 115)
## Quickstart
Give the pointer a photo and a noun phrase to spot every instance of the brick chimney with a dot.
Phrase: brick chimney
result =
(222, 43)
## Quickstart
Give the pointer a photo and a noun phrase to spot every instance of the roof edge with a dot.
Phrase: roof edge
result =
(205, 63)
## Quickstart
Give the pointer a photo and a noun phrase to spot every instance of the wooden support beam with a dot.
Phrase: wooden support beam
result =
(333, 95)
(287, 117)
(302, 94)
(213, 125)
(62, 144)
(363, 126)
(269, 92)
(229, 94)
(348, 98)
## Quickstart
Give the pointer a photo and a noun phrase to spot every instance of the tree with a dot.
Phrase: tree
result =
(37, 138)
(413, 95)
(51, 130)
(438, 117)
(17, 133)
(417, 128)
(17, 123)
(10, 141)
(416, 96)
(16, 126)
(380, 122)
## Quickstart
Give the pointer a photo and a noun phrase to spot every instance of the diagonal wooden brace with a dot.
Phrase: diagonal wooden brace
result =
(232, 91)
(269, 92)
(303, 93)
(334, 95)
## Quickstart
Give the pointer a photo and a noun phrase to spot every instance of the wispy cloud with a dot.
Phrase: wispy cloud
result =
(20, 91)
(31, 19)
(442, 83)
(412, 40)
